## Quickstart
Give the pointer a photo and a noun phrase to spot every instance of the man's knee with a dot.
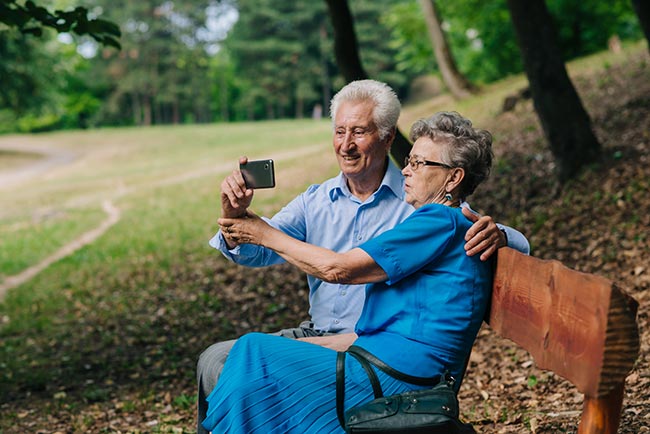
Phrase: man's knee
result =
(211, 362)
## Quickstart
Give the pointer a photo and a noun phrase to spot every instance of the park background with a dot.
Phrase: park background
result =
(110, 162)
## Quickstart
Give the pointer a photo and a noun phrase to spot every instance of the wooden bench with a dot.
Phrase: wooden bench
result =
(580, 326)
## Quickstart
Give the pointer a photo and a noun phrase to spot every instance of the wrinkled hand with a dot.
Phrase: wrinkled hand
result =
(235, 197)
(483, 237)
(248, 229)
(340, 342)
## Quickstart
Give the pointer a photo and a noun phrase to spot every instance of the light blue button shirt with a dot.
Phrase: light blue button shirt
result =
(328, 215)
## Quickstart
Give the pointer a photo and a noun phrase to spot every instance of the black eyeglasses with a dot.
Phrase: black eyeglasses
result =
(415, 163)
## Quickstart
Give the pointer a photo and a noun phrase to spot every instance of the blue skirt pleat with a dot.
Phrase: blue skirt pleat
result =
(272, 384)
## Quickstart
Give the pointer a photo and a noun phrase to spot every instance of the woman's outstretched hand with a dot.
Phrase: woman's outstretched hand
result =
(248, 229)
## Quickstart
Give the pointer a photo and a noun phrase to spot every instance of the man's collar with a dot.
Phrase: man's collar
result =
(393, 180)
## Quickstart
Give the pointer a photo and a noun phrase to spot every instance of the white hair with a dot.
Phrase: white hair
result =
(386, 104)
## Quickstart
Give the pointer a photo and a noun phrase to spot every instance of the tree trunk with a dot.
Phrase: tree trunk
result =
(176, 112)
(157, 110)
(457, 84)
(327, 85)
(137, 111)
(224, 99)
(146, 110)
(345, 41)
(300, 107)
(642, 9)
(565, 122)
(348, 61)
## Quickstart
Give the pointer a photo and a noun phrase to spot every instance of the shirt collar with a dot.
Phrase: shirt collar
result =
(393, 181)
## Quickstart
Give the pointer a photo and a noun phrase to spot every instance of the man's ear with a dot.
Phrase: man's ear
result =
(390, 138)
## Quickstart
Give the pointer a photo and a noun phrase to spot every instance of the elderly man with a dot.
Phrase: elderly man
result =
(363, 201)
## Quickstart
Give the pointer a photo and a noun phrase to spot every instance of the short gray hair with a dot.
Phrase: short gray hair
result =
(462, 146)
(386, 104)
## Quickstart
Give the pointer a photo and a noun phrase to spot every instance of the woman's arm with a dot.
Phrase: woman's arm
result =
(352, 267)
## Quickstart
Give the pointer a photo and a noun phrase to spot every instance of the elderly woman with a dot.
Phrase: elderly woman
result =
(424, 303)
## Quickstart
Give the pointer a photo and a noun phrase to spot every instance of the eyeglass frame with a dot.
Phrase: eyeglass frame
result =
(418, 163)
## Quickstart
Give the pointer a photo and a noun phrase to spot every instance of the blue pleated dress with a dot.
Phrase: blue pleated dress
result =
(422, 321)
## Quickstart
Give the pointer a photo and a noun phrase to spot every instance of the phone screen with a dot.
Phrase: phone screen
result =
(258, 174)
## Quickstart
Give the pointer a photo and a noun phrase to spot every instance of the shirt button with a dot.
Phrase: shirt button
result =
(336, 321)
(359, 237)
(343, 292)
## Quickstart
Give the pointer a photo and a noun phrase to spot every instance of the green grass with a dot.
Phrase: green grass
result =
(121, 164)
(26, 241)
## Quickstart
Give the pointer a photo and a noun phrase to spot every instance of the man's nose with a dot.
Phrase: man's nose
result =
(348, 141)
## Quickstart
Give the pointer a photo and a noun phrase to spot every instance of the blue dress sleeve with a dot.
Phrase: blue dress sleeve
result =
(414, 243)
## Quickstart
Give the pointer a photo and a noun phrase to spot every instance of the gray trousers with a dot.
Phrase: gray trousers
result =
(211, 362)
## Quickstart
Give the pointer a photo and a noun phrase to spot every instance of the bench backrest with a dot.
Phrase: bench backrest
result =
(578, 325)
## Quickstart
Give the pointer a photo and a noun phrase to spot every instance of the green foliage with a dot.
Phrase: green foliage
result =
(283, 55)
(482, 38)
(408, 39)
(479, 33)
(276, 48)
(181, 62)
(30, 18)
(585, 27)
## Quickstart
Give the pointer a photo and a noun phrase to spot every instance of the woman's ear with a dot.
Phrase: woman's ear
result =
(455, 178)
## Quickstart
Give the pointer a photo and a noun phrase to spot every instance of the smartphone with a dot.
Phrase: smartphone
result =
(258, 174)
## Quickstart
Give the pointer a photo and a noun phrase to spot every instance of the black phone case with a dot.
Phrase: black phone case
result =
(258, 174)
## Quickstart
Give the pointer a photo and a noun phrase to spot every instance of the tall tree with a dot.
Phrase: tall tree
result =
(349, 62)
(565, 122)
(455, 81)
(642, 9)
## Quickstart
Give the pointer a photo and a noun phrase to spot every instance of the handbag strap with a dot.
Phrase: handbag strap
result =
(340, 382)
(420, 381)
(374, 381)
(340, 387)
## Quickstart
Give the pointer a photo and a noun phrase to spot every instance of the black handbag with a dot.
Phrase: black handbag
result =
(433, 410)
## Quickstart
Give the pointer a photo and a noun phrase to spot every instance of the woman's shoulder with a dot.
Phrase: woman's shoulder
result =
(443, 214)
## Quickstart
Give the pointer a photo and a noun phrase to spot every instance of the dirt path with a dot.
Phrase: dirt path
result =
(52, 158)
(113, 216)
(55, 158)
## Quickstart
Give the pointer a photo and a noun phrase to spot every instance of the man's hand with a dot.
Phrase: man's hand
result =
(235, 197)
(483, 237)
(247, 229)
(340, 342)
